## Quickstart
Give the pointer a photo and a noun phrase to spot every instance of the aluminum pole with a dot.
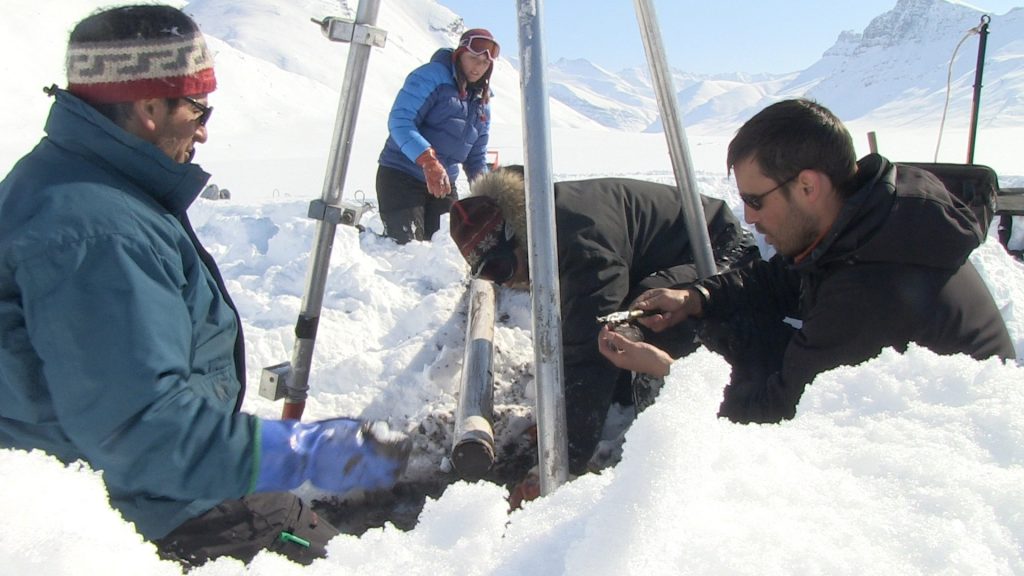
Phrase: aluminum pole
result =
(363, 38)
(664, 89)
(552, 437)
(473, 446)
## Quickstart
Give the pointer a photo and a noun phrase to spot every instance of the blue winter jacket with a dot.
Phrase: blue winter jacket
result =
(118, 345)
(429, 112)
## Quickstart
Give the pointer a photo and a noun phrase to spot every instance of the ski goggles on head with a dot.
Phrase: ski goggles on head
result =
(478, 45)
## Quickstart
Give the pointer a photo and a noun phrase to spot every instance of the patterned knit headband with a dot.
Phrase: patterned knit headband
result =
(129, 70)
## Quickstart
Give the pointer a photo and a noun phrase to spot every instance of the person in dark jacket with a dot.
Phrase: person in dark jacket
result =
(616, 237)
(440, 119)
(120, 344)
(870, 255)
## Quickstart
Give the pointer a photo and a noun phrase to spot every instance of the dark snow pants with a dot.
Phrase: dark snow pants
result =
(279, 521)
(407, 209)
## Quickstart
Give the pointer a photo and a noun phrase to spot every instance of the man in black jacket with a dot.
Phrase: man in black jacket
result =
(869, 255)
(616, 238)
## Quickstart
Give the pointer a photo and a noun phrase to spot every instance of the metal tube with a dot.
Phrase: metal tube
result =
(979, 69)
(334, 182)
(473, 446)
(552, 436)
(661, 76)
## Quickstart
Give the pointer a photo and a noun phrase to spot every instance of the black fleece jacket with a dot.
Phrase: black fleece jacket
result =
(616, 237)
(893, 269)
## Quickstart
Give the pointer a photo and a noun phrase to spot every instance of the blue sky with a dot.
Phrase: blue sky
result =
(701, 36)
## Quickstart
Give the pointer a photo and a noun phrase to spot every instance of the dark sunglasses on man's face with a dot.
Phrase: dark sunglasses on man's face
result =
(756, 201)
(204, 111)
(498, 266)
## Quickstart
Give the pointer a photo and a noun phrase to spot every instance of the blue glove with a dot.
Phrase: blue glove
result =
(336, 455)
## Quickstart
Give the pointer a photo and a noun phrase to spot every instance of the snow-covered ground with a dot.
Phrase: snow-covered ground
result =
(908, 464)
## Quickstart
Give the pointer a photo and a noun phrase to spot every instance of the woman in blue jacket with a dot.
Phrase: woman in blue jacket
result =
(440, 119)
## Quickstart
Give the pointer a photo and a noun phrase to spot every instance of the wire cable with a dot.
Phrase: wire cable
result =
(949, 86)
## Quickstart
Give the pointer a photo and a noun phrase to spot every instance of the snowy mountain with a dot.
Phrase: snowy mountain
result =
(899, 65)
(902, 56)
(598, 94)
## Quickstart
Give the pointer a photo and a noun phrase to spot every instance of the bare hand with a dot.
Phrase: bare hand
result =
(634, 356)
(670, 306)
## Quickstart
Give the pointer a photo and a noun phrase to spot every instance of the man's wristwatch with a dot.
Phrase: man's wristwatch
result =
(703, 293)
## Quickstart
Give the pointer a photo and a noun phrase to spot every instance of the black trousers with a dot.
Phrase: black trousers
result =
(241, 528)
(407, 209)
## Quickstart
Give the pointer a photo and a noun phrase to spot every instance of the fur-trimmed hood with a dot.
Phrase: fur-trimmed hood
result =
(508, 188)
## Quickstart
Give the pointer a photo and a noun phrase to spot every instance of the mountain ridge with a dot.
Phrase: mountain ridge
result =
(904, 49)
(889, 77)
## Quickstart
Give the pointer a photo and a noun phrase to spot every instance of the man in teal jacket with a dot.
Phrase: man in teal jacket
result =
(118, 342)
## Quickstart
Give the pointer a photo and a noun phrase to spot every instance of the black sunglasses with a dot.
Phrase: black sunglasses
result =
(204, 111)
(498, 266)
(756, 201)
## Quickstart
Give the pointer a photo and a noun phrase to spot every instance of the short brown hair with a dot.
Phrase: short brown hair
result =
(794, 135)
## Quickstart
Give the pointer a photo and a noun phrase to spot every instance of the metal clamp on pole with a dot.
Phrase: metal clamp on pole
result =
(342, 30)
(274, 381)
(347, 212)
(473, 448)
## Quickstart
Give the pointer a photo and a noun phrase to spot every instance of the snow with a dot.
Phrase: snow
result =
(908, 464)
